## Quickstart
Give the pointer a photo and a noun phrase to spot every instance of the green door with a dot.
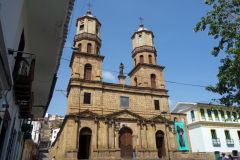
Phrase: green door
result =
(217, 154)
(227, 135)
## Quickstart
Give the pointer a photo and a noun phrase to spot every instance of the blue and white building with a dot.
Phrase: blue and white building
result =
(211, 130)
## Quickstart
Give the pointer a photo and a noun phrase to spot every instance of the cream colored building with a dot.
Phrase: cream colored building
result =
(106, 120)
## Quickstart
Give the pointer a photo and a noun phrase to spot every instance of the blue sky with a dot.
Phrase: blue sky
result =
(185, 54)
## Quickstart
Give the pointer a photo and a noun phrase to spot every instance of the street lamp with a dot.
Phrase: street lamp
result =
(165, 112)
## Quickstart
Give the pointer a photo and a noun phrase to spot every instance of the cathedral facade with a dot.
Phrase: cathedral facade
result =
(107, 121)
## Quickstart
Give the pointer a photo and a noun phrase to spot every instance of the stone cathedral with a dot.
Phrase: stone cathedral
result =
(106, 120)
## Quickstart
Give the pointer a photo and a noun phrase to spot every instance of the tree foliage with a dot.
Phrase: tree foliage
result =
(224, 24)
(59, 125)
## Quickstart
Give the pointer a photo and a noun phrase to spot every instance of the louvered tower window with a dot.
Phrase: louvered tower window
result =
(87, 72)
(97, 51)
(141, 59)
(89, 48)
(153, 81)
(80, 47)
(135, 81)
(150, 59)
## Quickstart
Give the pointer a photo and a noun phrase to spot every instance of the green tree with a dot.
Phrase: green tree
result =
(224, 23)
(59, 125)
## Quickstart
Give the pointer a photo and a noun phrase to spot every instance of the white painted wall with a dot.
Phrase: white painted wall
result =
(54, 135)
(196, 139)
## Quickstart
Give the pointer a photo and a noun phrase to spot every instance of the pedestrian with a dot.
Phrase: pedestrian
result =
(134, 153)
(224, 157)
(230, 157)
(53, 158)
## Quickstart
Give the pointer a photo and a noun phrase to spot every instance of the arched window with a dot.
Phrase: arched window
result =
(153, 81)
(175, 119)
(135, 81)
(97, 51)
(150, 59)
(141, 59)
(89, 48)
(87, 72)
(80, 47)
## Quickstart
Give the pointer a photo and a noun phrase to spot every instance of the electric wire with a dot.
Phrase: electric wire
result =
(195, 85)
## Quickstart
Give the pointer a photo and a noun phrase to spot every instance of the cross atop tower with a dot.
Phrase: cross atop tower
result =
(89, 5)
(141, 19)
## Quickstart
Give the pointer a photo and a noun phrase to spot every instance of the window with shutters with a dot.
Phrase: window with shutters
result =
(81, 27)
(214, 134)
(153, 80)
(124, 102)
(80, 47)
(87, 72)
(141, 59)
(229, 116)
(156, 103)
(192, 115)
(222, 115)
(202, 114)
(135, 81)
(227, 134)
(216, 115)
(87, 98)
(209, 112)
(150, 59)
(235, 116)
(89, 48)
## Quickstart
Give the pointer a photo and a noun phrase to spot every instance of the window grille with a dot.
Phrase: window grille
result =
(156, 103)
(87, 98)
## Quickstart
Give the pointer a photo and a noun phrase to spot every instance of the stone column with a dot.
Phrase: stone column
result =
(112, 139)
(96, 133)
(139, 146)
(144, 135)
(153, 136)
(116, 139)
(134, 140)
(77, 122)
(106, 136)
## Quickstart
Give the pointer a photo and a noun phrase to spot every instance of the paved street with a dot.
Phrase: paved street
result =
(44, 155)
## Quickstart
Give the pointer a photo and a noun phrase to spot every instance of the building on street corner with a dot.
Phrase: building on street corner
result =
(212, 132)
(32, 36)
(106, 120)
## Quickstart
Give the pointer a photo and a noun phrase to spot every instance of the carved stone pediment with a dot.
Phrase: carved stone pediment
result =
(160, 118)
(124, 114)
(88, 113)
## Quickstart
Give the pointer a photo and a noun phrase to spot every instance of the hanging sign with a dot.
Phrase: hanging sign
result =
(181, 136)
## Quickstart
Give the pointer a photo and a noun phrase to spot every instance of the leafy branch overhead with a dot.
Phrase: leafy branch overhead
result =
(223, 23)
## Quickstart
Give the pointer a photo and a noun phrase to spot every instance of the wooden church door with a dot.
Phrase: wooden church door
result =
(125, 143)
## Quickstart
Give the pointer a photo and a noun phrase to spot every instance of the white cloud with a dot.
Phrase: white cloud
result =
(108, 76)
(172, 104)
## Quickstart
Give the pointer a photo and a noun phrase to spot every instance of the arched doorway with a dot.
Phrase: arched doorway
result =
(85, 143)
(125, 143)
(160, 144)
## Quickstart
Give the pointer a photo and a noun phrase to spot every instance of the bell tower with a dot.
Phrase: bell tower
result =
(86, 61)
(146, 72)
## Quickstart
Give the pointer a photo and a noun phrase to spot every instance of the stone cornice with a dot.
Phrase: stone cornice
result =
(144, 64)
(115, 87)
(85, 54)
(141, 32)
(93, 18)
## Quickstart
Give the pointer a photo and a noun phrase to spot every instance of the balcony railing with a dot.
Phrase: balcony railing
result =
(27, 125)
(229, 142)
(23, 76)
(203, 118)
(216, 142)
(239, 141)
(144, 48)
(216, 119)
(193, 119)
(210, 118)
(88, 36)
